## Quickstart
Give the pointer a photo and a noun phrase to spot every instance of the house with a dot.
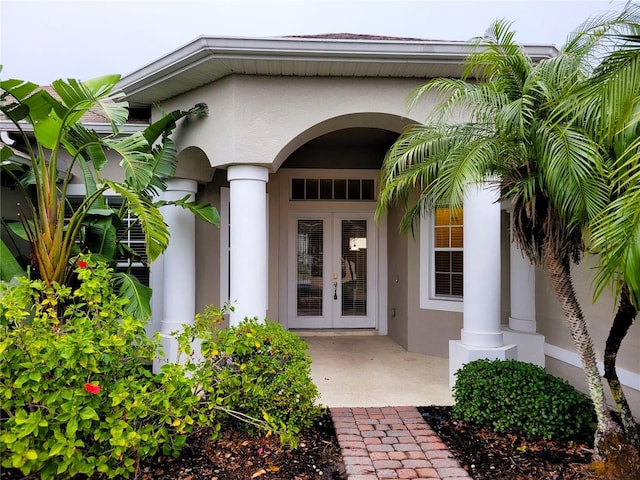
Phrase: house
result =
(290, 154)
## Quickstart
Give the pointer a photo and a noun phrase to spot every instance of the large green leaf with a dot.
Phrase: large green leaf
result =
(41, 104)
(165, 125)
(203, 211)
(9, 266)
(81, 140)
(17, 228)
(5, 153)
(100, 233)
(79, 97)
(138, 295)
(48, 132)
(156, 233)
(163, 165)
(137, 165)
(19, 89)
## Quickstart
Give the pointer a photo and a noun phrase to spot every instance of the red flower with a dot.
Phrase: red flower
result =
(82, 264)
(92, 389)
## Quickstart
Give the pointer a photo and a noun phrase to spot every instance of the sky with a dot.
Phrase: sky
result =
(42, 41)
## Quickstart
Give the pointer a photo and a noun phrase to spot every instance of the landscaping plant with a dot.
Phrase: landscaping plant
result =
(555, 137)
(513, 396)
(259, 372)
(51, 131)
(76, 391)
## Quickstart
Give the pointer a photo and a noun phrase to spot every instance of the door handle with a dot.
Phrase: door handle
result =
(335, 290)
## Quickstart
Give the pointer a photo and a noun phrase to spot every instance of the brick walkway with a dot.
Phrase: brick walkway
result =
(392, 442)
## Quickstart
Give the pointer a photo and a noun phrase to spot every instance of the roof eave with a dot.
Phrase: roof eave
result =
(225, 50)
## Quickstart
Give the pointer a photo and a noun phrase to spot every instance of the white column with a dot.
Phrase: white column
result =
(523, 292)
(522, 320)
(248, 241)
(481, 335)
(178, 293)
(481, 317)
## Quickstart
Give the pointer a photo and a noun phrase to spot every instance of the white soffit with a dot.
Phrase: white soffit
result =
(207, 59)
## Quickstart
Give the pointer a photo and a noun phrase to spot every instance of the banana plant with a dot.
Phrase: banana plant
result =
(50, 124)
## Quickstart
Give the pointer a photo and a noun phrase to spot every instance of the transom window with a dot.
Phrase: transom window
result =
(332, 189)
(447, 252)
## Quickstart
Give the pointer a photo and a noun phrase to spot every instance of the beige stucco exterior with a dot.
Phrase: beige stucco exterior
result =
(266, 120)
(305, 121)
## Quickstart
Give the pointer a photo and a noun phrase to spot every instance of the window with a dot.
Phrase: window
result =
(131, 235)
(441, 260)
(332, 189)
(447, 252)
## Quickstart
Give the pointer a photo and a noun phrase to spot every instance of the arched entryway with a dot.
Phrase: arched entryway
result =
(333, 259)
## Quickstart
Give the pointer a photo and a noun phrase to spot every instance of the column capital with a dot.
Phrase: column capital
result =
(247, 172)
(181, 185)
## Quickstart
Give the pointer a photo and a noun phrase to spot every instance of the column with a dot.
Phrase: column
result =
(481, 335)
(178, 294)
(248, 241)
(523, 292)
(522, 320)
(481, 310)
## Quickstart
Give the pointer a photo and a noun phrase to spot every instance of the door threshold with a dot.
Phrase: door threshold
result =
(339, 332)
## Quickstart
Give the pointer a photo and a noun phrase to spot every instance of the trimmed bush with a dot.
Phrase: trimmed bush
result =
(512, 396)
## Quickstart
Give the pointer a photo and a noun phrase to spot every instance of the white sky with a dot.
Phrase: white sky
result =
(41, 41)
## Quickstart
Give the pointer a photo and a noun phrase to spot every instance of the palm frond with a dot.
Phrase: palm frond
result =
(572, 173)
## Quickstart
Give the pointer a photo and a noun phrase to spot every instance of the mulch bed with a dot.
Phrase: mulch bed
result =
(237, 455)
(491, 456)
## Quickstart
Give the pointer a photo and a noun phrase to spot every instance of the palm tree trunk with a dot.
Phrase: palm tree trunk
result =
(621, 323)
(560, 273)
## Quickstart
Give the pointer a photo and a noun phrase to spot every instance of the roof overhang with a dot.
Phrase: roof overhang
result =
(101, 128)
(207, 59)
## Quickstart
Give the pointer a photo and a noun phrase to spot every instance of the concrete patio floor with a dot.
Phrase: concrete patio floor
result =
(352, 370)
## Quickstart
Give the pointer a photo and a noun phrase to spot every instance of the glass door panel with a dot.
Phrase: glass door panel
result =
(331, 272)
(309, 268)
(354, 267)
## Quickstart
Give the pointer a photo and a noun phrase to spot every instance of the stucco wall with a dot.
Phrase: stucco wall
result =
(265, 119)
(429, 330)
(397, 291)
(208, 248)
(598, 315)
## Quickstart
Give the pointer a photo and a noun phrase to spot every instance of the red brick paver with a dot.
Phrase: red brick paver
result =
(392, 442)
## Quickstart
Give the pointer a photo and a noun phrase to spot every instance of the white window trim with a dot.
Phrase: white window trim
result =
(428, 301)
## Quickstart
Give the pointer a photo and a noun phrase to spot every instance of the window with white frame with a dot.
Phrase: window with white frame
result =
(130, 234)
(441, 259)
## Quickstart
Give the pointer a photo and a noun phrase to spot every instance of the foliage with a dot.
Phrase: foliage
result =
(147, 157)
(517, 125)
(76, 389)
(507, 395)
(260, 373)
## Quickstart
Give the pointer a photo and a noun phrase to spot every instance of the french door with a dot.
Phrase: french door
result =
(331, 271)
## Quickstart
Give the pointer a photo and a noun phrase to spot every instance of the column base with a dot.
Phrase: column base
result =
(530, 345)
(461, 354)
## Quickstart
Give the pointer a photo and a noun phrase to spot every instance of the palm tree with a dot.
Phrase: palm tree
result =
(551, 172)
(611, 102)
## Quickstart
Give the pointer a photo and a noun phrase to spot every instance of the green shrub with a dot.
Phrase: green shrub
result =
(261, 374)
(507, 395)
(76, 392)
